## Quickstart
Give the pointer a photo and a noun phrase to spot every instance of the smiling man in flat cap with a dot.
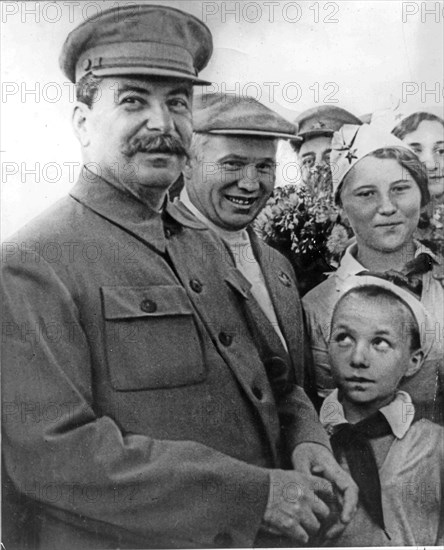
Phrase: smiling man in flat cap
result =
(228, 179)
(139, 410)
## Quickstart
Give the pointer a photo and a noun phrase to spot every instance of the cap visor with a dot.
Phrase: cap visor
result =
(150, 71)
(257, 133)
(316, 133)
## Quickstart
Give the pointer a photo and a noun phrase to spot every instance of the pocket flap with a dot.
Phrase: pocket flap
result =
(123, 302)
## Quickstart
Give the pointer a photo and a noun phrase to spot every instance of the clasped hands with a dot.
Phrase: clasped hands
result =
(317, 497)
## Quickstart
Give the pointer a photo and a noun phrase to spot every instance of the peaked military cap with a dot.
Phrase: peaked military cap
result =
(323, 121)
(233, 115)
(138, 40)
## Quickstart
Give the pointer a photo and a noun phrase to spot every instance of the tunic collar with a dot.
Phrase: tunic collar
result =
(126, 211)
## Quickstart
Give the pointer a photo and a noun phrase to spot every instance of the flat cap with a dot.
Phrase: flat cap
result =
(323, 121)
(233, 115)
(138, 40)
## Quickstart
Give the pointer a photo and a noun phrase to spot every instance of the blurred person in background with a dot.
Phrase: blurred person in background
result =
(423, 132)
(315, 128)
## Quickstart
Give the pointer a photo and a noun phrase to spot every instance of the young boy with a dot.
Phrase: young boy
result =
(396, 459)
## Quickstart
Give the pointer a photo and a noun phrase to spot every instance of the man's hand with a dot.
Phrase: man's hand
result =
(312, 459)
(293, 509)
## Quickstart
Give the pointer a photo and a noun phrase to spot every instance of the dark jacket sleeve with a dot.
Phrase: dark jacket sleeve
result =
(300, 422)
(62, 453)
(299, 408)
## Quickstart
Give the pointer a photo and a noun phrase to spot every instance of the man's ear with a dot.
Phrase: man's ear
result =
(415, 363)
(342, 213)
(188, 170)
(80, 122)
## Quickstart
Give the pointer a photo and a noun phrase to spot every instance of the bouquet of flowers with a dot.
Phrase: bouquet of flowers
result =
(303, 222)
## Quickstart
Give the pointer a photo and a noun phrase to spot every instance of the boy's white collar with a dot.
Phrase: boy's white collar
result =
(399, 413)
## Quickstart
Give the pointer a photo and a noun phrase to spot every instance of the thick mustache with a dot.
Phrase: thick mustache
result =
(155, 143)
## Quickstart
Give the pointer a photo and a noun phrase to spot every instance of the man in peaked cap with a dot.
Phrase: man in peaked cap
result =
(139, 411)
(229, 178)
(316, 127)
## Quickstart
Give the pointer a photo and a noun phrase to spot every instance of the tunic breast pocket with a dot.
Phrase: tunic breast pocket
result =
(151, 338)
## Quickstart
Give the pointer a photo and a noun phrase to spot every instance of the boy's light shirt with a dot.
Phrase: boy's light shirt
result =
(240, 246)
(399, 413)
(411, 477)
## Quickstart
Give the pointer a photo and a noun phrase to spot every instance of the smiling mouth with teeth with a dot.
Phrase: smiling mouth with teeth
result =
(241, 201)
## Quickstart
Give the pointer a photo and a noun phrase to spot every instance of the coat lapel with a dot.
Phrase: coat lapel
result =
(281, 285)
(219, 303)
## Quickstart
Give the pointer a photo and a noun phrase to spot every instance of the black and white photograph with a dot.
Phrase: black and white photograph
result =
(222, 288)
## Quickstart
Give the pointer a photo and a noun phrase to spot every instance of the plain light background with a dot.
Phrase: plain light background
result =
(361, 55)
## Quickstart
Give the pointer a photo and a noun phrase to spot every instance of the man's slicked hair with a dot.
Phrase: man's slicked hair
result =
(198, 143)
(87, 89)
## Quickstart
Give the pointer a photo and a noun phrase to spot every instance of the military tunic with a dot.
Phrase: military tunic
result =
(136, 409)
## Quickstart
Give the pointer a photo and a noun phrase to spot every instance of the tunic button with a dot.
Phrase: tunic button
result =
(276, 366)
(168, 232)
(223, 540)
(148, 306)
(196, 285)
(257, 392)
(225, 339)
